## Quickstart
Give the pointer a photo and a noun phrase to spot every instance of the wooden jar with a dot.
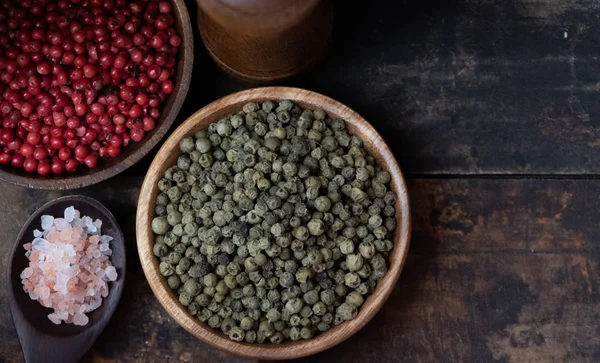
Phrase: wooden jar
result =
(265, 40)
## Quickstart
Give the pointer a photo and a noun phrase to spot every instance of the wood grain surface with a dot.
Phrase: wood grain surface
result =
(498, 271)
(167, 157)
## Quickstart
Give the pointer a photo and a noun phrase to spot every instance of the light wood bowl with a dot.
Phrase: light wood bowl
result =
(110, 167)
(167, 157)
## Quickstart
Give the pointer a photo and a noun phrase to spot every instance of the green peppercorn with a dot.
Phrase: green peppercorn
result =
(174, 282)
(192, 287)
(347, 311)
(316, 227)
(284, 269)
(354, 262)
(160, 225)
(273, 315)
(160, 249)
(266, 328)
(185, 298)
(346, 245)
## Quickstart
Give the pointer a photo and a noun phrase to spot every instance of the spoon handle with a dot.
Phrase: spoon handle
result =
(49, 349)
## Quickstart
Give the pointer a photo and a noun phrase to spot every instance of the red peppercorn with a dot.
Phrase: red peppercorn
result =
(164, 7)
(71, 165)
(34, 138)
(23, 60)
(43, 168)
(8, 135)
(27, 150)
(57, 142)
(17, 160)
(15, 144)
(137, 135)
(64, 153)
(132, 82)
(44, 68)
(154, 113)
(175, 40)
(5, 158)
(167, 87)
(81, 152)
(114, 150)
(127, 94)
(153, 87)
(91, 160)
(142, 99)
(58, 167)
(30, 164)
(54, 65)
(82, 108)
(136, 111)
(149, 124)
(89, 71)
(40, 153)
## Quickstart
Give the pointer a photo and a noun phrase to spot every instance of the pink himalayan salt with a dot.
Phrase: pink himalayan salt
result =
(68, 267)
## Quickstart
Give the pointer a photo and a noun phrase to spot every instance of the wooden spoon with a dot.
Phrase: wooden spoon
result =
(42, 340)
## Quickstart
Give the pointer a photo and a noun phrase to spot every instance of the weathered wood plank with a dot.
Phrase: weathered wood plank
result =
(498, 271)
(459, 87)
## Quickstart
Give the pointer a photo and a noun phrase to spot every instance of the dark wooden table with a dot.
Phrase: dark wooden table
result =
(491, 108)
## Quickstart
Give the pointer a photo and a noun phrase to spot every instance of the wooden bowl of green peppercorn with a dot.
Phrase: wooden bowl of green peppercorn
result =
(168, 155)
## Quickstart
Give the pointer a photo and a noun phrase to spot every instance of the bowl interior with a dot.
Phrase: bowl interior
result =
(32, 311)
(167, 157)
(134, 151)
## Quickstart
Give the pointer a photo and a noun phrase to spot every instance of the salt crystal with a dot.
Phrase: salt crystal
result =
(111, 273)
(94, 304)
(100, 273)
(53, 318)
(80, 319)
(27, 273)
(47, 222)
(70, 214)
(39, 243)
(68, 266)
(70, 250)
(61, 224)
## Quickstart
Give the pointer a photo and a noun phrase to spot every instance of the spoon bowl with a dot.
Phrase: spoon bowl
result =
(42, 340)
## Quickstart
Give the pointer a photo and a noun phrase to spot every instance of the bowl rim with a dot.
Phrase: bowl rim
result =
(94, 176)
(288, 350)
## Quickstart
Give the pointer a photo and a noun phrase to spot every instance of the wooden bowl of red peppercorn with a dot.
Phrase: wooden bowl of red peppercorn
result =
(87, 90)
